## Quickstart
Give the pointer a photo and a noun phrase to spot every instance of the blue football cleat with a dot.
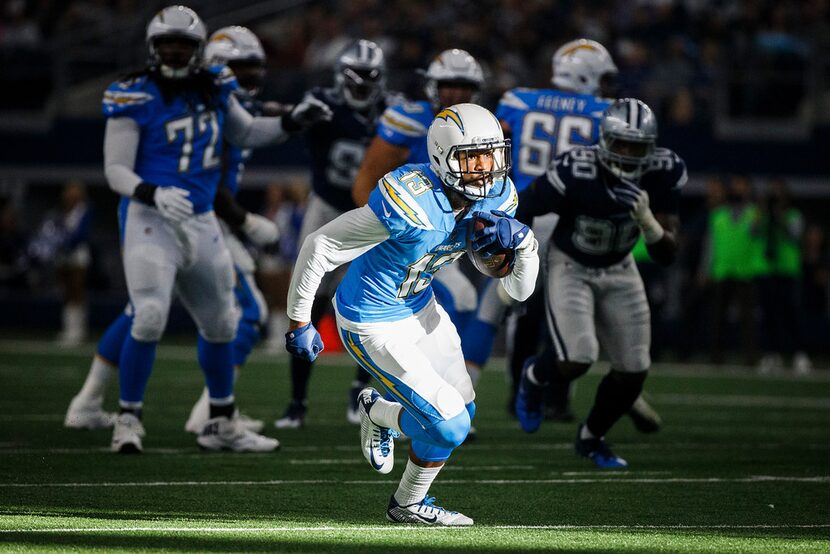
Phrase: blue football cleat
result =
(530, 409)
(597, 451)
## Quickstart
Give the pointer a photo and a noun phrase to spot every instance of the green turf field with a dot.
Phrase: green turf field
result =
(741, 465)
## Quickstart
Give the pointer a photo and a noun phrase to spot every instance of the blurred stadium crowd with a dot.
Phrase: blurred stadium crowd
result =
(698, 63)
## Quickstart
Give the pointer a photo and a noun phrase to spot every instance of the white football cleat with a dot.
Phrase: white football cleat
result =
(294, 416)
(353, 416)
(127, 434)
(221, 433)
(200, 414)
(84, 413)
(376, 442)
(425, 512)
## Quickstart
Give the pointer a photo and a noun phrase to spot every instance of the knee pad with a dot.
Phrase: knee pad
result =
(450, 433)
(247, 336)
(223, 327)
(149, 321)
(636, 360)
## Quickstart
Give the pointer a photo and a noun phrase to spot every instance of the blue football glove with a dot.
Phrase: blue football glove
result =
(304, 342)
(502, 232)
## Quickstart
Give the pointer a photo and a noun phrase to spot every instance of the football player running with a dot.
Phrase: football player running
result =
(453, 77)
(163, 143)
(337, 146)
(416, 222)
(606, 196)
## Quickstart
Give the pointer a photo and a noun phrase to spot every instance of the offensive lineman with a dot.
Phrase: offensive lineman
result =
(415, 223)
(606, 196)
(165, 133)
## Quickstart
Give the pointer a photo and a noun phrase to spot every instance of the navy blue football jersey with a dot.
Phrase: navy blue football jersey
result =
(337, 147)
(594, 228)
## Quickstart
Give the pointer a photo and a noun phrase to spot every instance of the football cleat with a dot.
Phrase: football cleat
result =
(127, 434)
(425, 512)
(222, 433)
(376, 442)
(200, 413)
(294, 416)
(597, 451)
(529, 401)
(644, 417)
(87, 414)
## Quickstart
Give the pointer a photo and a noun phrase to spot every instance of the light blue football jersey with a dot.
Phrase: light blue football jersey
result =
(545, 123)
(406, 125)
(181, 141)
(392, 280)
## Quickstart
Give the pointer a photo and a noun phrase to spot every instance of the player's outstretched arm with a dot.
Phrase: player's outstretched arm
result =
(246, 131)
(259, 230)
(381, 157)
(333, 245)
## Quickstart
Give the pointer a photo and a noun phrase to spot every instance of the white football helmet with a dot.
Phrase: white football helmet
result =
(239, 48)
(454, 65)
(581, 65)
(360, 74)
(176, 21)
(461, 131)
(627, 138)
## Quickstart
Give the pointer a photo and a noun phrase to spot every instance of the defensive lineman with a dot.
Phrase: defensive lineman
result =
(606, 196)
(415, 223)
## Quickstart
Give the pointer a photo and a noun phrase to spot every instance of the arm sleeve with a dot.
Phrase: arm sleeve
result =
(333, 245)
(246, 131)
(521, 282)
(121, 138)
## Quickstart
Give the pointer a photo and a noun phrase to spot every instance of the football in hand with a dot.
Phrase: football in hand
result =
(497, 265)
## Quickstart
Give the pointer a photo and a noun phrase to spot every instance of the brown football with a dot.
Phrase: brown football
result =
(498, 265)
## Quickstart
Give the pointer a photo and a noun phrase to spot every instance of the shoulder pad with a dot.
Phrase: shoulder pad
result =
(125, 97)
(513, 99)
(667, 166)
(399, 189)
(330, 96)
(406, 119)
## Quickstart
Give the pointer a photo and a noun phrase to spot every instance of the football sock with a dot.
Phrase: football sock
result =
(300, 375)
(222, 408)
(112, 341)
(585, 433)
(477, 341)
(135, 408)
(615, 395)
(415, 483)
(135, 366)
(217, 365)
(361, 378)
(100, 372)
(386, 414)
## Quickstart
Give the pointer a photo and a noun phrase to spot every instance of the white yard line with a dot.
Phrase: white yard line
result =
(289, 482)
(386, 528)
